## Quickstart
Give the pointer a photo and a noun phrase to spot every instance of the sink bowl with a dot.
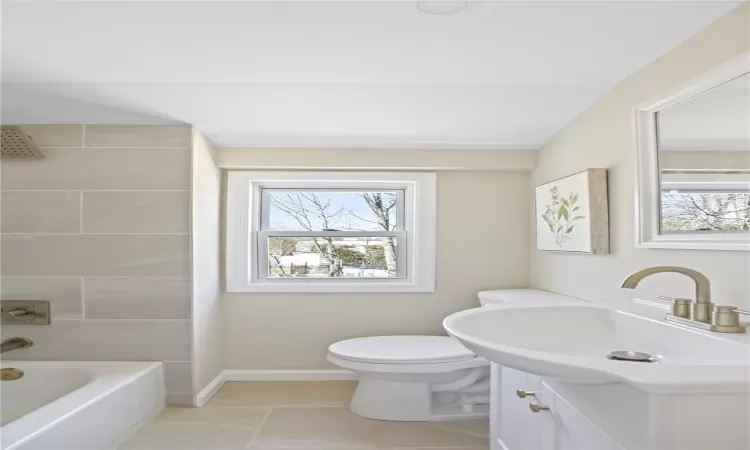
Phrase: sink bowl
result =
(571, 343)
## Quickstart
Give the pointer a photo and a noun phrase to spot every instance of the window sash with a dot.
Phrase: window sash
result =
(265, 197)
(261, 271)
(243, 228)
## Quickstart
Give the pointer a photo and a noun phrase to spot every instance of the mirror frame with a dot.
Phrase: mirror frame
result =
(648, 184)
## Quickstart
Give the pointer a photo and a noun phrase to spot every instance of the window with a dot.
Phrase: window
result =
(330, 232)
(703, 210)
(705, 201)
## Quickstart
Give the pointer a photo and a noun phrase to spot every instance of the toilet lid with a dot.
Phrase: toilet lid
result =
(401, 350)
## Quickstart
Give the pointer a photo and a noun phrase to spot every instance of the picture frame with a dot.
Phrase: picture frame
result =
(572, 213)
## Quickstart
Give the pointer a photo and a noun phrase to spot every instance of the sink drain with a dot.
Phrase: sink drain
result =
(627, 355)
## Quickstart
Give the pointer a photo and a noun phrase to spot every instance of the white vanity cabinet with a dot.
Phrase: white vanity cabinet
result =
(612, 416)
(514, 426)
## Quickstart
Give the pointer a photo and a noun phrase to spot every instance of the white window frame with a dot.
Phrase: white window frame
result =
(246, 238)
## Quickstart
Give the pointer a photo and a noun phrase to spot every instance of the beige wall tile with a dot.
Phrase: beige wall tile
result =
(55, 135)
(63, 293)
(137, 136)
(96, 255)
(136, 212)
(100, 169)
(41, 212)
(178, 375)
(136, 298)
(105, 340)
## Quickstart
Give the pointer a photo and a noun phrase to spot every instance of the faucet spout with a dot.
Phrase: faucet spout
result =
(702, 284)
(14, 344)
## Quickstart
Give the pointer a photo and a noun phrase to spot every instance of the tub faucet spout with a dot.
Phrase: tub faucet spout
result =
(14, 344)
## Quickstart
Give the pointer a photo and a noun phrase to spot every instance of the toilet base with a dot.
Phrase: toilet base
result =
(376, 398)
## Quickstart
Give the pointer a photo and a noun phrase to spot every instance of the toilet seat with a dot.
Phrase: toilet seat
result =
(406, 350)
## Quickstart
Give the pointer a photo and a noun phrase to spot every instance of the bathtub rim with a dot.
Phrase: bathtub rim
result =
(108, 376)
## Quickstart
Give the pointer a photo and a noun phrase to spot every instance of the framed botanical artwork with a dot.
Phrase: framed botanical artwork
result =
(572, 213)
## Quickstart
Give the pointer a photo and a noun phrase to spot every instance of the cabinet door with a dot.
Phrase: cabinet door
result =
(516, 427)
(567, 429)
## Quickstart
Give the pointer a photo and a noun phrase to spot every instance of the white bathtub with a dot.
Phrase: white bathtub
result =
(77, 405)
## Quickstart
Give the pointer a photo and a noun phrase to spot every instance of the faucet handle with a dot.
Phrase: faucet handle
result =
(731, 309)
(680, 306)
(25, 312)
(728, 318)
(22, 314)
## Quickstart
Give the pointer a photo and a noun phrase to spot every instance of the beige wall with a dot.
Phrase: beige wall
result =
(483, 239)
(100, 228)
(602, 137)
(206, 207)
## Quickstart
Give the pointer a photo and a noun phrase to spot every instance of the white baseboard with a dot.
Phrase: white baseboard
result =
(210, 390)
(289, 375)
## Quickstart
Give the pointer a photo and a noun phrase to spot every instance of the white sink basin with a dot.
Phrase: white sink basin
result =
(571, 343)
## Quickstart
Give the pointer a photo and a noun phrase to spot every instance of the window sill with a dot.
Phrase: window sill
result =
(333, 288)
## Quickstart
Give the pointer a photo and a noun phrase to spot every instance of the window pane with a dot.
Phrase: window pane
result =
(705, 211)
(326, 257)
(331, 210)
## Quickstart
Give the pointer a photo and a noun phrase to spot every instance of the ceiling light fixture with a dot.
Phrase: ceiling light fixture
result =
(441, 7)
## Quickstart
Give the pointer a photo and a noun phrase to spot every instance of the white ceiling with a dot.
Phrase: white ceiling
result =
(499, 74)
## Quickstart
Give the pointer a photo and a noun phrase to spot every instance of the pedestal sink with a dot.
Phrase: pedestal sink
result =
(571, 343)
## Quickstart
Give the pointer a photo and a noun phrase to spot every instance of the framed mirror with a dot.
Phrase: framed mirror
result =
(693, 150)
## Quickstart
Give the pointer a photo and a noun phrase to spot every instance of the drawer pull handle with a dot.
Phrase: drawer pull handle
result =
(535, 408)
(524, 394)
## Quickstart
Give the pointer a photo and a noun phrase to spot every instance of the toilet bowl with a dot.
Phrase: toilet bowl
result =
(414, 378)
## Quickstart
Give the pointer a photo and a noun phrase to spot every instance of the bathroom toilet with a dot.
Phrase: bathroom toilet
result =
(424, 378)
(414, 378)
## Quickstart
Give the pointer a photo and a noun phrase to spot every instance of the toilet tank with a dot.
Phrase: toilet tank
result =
(523, 297)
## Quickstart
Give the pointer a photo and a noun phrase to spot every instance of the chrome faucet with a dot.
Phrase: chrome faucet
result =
(15, 344)
(700, 313)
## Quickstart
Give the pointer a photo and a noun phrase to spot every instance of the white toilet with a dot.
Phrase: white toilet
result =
(423, 378)
(414, 378)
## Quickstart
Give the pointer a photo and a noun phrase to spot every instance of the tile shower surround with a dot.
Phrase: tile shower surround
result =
(100, 227)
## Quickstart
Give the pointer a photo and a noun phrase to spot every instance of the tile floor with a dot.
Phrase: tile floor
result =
(296, 416)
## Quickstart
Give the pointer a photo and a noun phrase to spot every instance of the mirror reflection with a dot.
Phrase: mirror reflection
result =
(704, 161)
